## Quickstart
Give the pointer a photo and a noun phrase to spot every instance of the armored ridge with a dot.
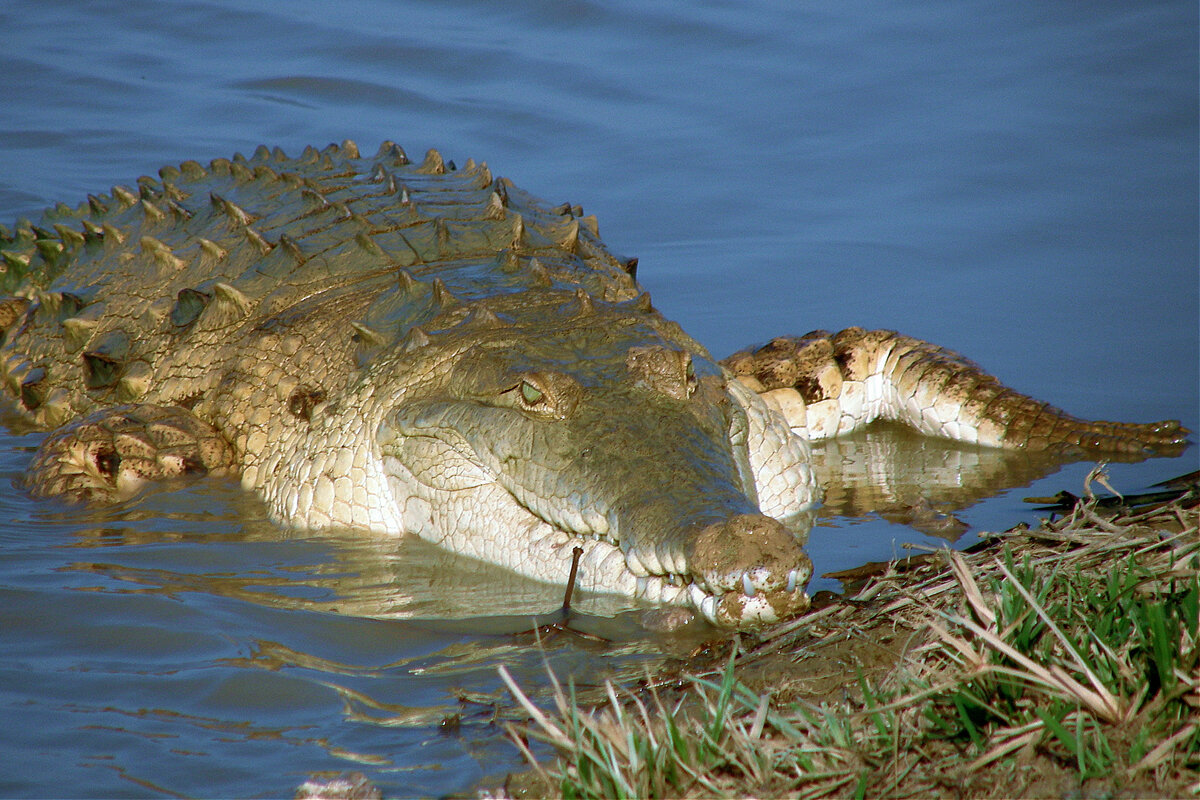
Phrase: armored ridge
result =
(415, 348)
(157, 270)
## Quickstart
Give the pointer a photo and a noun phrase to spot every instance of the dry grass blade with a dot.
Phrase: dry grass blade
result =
(1160, 753)
(1006, 747)
(556, 734)
(958, 566)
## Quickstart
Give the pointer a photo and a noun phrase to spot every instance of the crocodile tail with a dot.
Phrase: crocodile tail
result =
(828, 384)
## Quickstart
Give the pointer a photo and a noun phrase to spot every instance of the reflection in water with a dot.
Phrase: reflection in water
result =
(914, 480)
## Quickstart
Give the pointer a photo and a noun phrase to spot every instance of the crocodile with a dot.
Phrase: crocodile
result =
(404, 347)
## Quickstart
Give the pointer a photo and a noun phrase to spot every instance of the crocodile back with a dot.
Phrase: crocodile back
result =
(155, 293)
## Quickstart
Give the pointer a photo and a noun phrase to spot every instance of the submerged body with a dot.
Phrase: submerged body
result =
(411, 348)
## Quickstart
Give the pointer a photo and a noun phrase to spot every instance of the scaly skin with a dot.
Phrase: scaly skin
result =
(417, 349)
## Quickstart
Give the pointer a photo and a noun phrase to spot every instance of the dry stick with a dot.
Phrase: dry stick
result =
(575, 555)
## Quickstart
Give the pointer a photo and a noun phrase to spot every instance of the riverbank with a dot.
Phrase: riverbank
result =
(1055, 661)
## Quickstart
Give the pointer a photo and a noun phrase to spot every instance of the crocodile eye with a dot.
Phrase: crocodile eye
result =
(531, 394)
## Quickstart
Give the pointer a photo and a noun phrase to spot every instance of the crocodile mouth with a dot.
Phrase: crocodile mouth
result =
(744, 569)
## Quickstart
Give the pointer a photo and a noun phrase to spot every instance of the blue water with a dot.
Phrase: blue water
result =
(1015, 181)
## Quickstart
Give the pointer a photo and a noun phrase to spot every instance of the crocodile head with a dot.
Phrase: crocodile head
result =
(525, 444)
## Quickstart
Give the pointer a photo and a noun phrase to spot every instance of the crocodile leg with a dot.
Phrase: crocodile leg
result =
(828, 384)
(111, 454)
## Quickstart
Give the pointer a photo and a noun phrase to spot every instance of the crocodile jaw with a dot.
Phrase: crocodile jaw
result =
(460, 506)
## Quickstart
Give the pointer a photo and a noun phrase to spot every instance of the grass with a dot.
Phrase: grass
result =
(1063, 660)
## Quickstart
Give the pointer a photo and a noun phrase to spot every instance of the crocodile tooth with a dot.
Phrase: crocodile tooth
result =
(747, 585)
(792, 578)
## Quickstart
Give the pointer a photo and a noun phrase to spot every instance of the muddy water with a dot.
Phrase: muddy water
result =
(1016, 183)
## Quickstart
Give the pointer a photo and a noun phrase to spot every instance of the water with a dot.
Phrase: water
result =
(1016, 182)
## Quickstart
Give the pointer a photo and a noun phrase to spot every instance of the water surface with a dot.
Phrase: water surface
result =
(1016, 182)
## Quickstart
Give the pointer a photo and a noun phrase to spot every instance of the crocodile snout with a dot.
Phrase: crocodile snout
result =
(754, 568)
